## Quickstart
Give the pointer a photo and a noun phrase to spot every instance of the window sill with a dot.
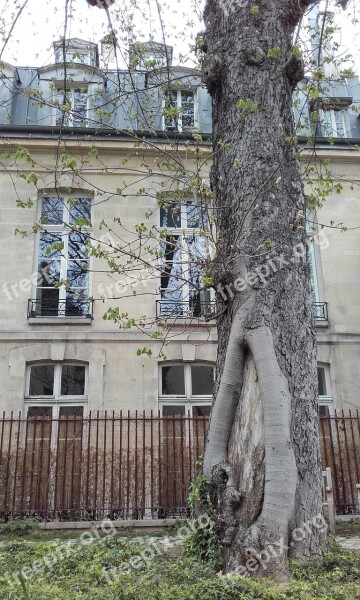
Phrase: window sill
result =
(60, 320)
(181, 321)
(321, 324)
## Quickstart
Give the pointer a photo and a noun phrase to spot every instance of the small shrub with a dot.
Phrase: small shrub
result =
(18, 527)
(202, 543)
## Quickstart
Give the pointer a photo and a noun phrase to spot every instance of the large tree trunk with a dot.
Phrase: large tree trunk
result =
(263, 447)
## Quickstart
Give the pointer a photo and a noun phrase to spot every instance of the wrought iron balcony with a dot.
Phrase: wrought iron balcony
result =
(81, 309)
(192, 309)
(319, 311)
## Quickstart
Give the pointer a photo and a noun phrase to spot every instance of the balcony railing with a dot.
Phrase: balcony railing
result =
(185, 310)
(207, 310)
(62, 308)
(319, 311)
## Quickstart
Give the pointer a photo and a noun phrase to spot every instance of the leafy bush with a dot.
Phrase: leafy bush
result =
(203, 542)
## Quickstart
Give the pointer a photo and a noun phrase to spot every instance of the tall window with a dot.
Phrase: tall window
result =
(72, 107)
(332, 123)
(184, 252)
(179, 110)
(319, 308)
(63, 259)
(56, 390)
(186, 388)
(325, 395)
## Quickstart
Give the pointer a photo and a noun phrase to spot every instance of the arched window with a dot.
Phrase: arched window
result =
(56, 389)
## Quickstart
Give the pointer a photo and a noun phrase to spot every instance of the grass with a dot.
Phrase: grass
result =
(348, 528)
(56, 570)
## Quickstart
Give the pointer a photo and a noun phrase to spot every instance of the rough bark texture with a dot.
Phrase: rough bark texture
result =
(263, 449)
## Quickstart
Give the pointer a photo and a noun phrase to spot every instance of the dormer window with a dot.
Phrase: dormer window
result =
(72, 107)
(333, 123)
(179, 110)
(150, 55)
(330, 117)
(77, 52)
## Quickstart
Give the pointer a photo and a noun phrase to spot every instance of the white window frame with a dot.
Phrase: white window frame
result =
(62, 229)
(86, 55)
(69, 116)
(326, 400)
(56, 397)
(327, 119)
(183, 231)
(314, 260)
(56, 401)
(178, 127)
(187, 400)
(313, 272)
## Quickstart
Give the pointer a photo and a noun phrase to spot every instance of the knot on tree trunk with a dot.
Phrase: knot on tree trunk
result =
(212, 72)
(295, 70)
(254, 55)
(229, 499)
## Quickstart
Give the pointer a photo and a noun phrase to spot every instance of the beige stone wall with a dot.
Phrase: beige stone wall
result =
(118, 379)
(339, 341)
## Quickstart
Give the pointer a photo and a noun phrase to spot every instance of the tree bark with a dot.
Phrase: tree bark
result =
(263, 446)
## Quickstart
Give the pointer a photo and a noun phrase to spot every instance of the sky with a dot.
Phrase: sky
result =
(34, 31)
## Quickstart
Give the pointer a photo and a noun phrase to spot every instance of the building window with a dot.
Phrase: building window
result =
(186, 389)
(63, 259)
(314, 287)
(184, 251)
(319, 308)
(325, 396)
(56, 390)
(333, 123)
(179, 110)
(72, 107)
(79, 54)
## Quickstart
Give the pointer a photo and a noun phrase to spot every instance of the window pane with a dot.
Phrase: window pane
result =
(48, 273)
(173, 381)
(39, 411)
(322, 381)
(46, 251)
(77, 303)
(77, 274)
(170, 216)
(78, 245)
(171, 110)
(201, 411)
(72, 380)
(202, 381)
(323, 410)
(80, 210)
(339, 122)
(71, 411)
(62, 114)
(79, 108)
(187, 105)
(47, 304)
(196, 216)
(52, 210)
(173, 411)
(172, 283)
(41, 380)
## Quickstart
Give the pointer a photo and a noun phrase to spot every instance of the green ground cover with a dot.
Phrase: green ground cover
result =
(132, 567)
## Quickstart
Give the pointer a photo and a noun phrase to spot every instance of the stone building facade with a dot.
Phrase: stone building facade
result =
(84, 142)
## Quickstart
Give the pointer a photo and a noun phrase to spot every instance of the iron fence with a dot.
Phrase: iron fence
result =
(132, 466)
(119, 466)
